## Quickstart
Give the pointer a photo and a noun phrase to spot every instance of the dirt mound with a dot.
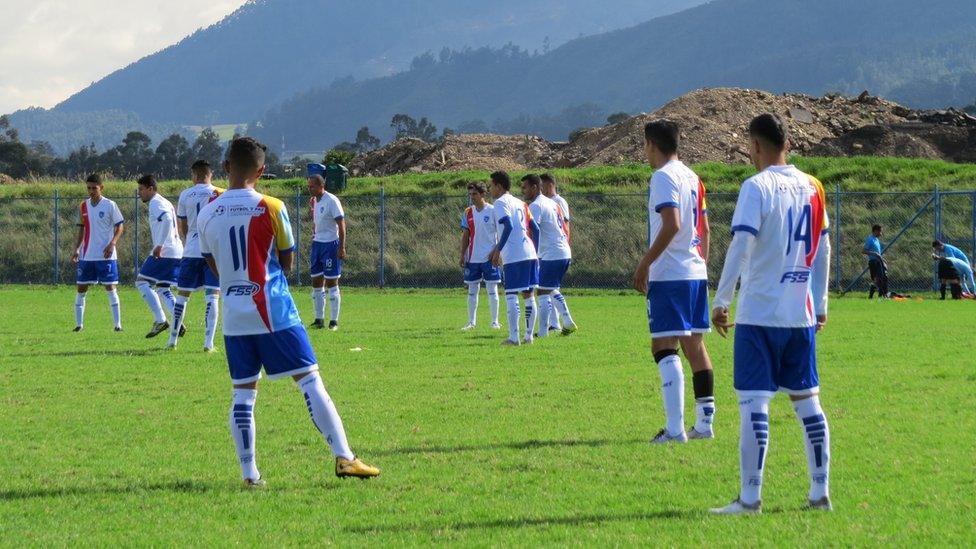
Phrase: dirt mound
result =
(458, 152)
(713, 126)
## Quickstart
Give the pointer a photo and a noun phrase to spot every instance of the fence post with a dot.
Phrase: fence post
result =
(298, 236)
(382, 265)
(972, 198)
(55, 271)
(937, 200)
(135, 239)
(838, 270)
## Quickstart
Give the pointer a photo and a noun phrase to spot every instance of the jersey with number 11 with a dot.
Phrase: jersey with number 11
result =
(244, 231)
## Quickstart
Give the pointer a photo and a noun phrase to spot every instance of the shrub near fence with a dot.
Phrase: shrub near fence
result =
(413, 240)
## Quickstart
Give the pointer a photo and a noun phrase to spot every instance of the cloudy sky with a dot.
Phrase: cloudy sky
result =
(50, 49)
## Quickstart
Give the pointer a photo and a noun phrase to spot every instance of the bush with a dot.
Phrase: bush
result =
(339, 156)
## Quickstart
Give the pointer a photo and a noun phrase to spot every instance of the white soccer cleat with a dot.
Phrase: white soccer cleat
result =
(467, 327)
(527, 341)
(663, 437)
(822, 504)
(737, 507)
(208, 350)
(255, 484)
(496, 326)
(695, 434)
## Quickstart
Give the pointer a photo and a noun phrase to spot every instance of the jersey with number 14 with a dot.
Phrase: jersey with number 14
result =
(785, 209)
(243, 231)
(190, 203)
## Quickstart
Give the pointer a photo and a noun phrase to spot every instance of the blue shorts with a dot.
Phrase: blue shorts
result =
(195, 274)
(325, 260)
(521, 275)
(478, 272)
(551, 273)
(283, 353)
(98, 272)
(766, 360)
(163, 271)
(677, 308)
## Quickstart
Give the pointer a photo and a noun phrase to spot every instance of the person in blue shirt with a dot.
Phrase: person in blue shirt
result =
(961, 266)
(948, 250)
(876, 263)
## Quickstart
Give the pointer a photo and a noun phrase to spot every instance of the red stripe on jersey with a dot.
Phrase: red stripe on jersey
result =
(562, 221)
(86, 224)
(700, 227)
(528, 221)
(817, 213)
(469, 215)
(260, 238)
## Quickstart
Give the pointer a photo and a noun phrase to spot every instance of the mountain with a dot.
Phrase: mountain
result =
(268, 50)
(920, 53)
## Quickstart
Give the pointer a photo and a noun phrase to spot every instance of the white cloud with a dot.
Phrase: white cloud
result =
(50, 49)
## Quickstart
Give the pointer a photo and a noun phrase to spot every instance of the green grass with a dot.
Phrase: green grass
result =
(106, 439)
(868, 174)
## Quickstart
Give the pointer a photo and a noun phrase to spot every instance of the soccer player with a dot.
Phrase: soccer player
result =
(161, 268)
(966, 270)
(554, 252)
(479, 235)
(195, 274)
(99, 230)
(876, 263)
(516, 249)
(781, 250)
(557, 299)
(672, 274)
(246, 239)
(955, 272)
(328, 251)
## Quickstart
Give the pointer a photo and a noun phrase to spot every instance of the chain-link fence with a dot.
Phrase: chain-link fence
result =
(414, 241)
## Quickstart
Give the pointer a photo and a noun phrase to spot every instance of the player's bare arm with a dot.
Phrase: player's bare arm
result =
(115, 240)
(670, 225)
(465, 240)
(706, 237)
(286, 259)
(341, 224)
(81, 236)
(181, 228)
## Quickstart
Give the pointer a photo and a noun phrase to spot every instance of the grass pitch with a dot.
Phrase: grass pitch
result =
(107, 439)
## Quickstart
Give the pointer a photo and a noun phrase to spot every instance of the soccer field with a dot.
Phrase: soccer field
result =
(106, 438)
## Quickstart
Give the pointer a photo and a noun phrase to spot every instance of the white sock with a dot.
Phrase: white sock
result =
(80, 308)
(545, 306)
(210, 317)
(166, 299)
(242, 430)
(324, 415)
(113, 303)
(704, 414)
(179, 312)
(318, 303)
(560, 302)
(753, 446)
(816, 437)
(530, 317)
(673, 393)
(492, 288)
(512, 309)
(151, 299)
(473, 302)
(334, 301)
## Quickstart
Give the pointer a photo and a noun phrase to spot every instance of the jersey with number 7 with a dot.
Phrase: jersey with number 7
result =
(244, 231)
(786, 211)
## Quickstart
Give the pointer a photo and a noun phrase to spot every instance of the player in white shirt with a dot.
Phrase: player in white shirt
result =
(328, 251)
(549, 189)
(780, 253)
(195, 274)
(99, 230)
(479, 235)
(554, 252)
(246, 237)
(673, 276)
(516, 252)
(161, 268)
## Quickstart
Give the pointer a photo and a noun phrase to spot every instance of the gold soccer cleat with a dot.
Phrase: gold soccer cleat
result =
(354, 468)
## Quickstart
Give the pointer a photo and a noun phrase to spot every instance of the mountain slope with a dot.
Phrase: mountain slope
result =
(268, 50)
(886, 46)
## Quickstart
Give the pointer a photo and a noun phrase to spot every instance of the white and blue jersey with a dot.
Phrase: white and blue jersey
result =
(162, 270)
(482, 238)
(194, 272)
(324, 260)
(554, 251)
(98, 223)
(965, 271)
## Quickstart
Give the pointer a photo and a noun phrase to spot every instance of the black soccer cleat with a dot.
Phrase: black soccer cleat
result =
(182, 330)
(77, 329)
(318, 324)
(158, 328)
(333, 325)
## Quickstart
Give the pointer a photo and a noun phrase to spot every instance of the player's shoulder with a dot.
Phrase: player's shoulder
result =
(273, 204)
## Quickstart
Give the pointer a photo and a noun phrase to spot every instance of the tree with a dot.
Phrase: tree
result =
(403, 125)
(365, 141)
(617, 118)
(207, 147)
(336, 156)
(172, 158)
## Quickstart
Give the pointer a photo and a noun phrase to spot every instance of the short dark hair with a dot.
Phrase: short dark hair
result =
(771, 129)
(532, 179)
(875, 227)
(246, 153)
(147, 180)
(936, 243)
(201, 168)
(502, 179)
(317, 178)
(95, 178)
(664, 134)
(478, 187)
(547, 178)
